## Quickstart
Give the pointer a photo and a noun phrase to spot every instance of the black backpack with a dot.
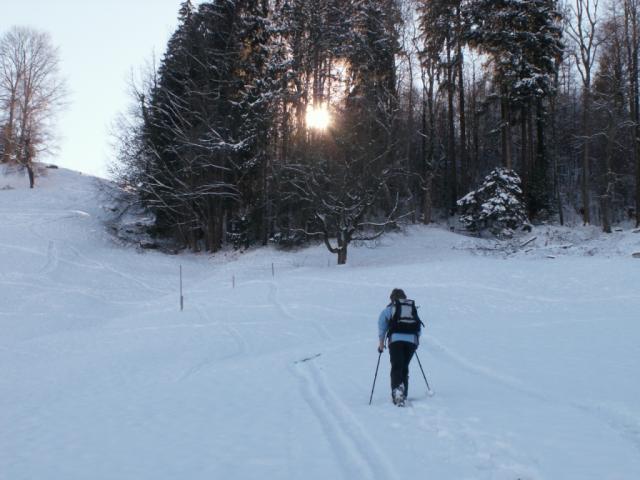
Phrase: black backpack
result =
(405, 318)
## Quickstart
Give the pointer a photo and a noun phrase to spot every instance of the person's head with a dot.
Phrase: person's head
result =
(397, 294)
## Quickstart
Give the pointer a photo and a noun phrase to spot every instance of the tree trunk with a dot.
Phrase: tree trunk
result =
(541, 146)
(8, 131)
(530, 143)
(29, 154)
(411, 156)
(560, 211)
(474, 171)
(427, 206)
(541, 162)
(265, 210)
(554, 154)
(428, 132)
(506, 132)
(636, 101)
(636, 132)
(605, 205)
(524, 165)
(585, 158)
(451, 142)
(632, 47)
(464, 177)
(605, 199)
(342, 255)
(343, 239)
(32, 177)
(637, 178)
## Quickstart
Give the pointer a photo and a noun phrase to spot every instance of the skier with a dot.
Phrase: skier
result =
(400, 326)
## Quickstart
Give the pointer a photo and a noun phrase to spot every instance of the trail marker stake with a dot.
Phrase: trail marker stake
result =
(181, 297)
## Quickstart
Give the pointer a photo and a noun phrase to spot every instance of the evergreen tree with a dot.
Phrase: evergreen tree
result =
(371, 106)
(168, 118)
(207, 121)
(497, 206)
(523, 40)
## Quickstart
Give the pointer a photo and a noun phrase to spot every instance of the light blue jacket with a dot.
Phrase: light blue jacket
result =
(383, 327)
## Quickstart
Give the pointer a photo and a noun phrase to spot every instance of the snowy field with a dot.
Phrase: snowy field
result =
(534, 360)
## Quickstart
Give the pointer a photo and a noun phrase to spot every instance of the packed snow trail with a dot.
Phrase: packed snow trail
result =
(265, 376)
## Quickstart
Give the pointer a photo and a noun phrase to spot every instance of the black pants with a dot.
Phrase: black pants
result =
(400, 354)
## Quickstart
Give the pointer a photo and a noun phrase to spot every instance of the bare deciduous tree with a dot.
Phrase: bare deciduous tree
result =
(31, 94)
(583, 33)
(632, 45)
(340, 205)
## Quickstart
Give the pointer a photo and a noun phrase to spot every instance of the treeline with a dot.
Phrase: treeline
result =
(287, 119)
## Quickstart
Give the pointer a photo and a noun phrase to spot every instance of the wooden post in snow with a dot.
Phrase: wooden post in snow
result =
(181, 297)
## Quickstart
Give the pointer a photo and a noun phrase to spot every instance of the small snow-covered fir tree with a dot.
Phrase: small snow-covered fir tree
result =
(497, 206)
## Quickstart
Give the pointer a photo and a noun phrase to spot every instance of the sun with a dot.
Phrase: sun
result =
(318, 117)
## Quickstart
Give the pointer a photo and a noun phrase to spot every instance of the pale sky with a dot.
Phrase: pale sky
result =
(100, 42)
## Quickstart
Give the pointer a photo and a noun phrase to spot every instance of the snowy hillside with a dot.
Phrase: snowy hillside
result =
(267, 372)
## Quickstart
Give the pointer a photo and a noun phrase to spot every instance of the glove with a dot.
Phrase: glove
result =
(381, 347)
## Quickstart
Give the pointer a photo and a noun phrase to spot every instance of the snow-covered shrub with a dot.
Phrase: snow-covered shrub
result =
(288, 239)
(238, 232)
(497, 206)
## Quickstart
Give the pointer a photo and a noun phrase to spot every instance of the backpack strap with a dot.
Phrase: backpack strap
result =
(393, 321)
(415, 314)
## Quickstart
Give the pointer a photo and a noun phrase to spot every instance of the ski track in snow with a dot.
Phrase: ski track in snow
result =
(492, 455)
(626, 425)
(211, 359)
(54, 258)
(19, 248)
(474, 367)
(356, 452)
(133, 279)
(39, 288)
(359, 456)
(317, 326)
(94, 264)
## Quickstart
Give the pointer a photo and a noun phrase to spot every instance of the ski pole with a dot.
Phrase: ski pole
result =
(423, 375)
(374, 378)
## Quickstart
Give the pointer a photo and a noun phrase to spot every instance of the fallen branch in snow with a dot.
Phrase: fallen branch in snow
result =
(528, 242)
(308, 358)
(637, 230)
(636, 255)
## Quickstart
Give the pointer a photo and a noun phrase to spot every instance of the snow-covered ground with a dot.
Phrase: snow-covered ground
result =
(534, 360)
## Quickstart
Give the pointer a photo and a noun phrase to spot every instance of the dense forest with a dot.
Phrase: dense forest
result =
(287, 120)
